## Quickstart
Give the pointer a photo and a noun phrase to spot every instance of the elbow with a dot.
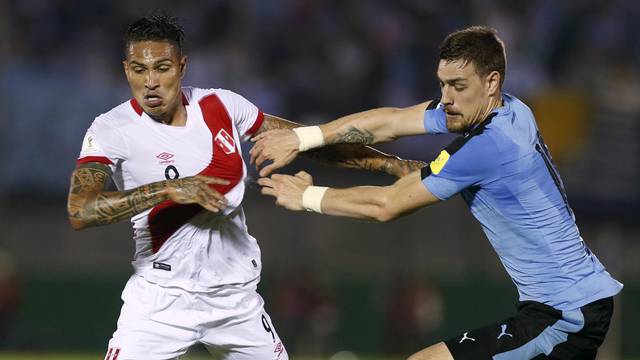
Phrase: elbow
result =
(384, 211)
(74, 215)
(384, 216)
(77, 224)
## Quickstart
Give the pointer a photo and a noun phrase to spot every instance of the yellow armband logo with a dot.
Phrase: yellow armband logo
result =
(437, 164)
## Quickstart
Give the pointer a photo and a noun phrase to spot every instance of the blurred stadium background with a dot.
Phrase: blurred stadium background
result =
(331, 284)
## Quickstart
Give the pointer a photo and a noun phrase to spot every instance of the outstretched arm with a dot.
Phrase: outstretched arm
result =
(379, 203)
(355, 156)
(368, 127)
(376, 125)
(90, 205)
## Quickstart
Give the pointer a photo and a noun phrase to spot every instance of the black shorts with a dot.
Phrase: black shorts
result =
(538, 331)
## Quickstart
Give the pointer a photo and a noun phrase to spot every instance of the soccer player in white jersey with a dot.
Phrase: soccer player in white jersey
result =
(174, 154)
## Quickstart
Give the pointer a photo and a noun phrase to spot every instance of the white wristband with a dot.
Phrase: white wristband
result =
(312, 198)
(310, 137)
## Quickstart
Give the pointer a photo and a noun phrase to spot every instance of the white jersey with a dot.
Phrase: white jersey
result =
(184, 245)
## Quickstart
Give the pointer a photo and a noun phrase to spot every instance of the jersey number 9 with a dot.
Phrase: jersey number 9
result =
(171, 172)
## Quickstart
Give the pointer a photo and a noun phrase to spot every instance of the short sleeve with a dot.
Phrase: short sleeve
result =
(435, 121)
(475, 163)
(246, 117)
(102, 143)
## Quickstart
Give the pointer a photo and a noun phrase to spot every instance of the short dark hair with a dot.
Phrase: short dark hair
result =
(479, 45)
(156, 27)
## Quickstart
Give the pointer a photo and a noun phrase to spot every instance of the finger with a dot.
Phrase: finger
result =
(210, 203)
(269, 169)
(262, 158)
(213, 180)
(210, 208)
(251, 152)
(306, 177)
(258, 137)
(255, 151)
(266, 182)
(214, 206)
(268, 191)
(213, 196)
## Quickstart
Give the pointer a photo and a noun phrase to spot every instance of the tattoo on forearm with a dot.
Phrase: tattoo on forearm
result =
(364, 158)
(90, 206)
(355, 136)
(398, 165)
(275, 123)
(348, 151)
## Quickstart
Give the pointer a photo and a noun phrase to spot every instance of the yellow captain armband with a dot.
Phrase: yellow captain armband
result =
(437, 164)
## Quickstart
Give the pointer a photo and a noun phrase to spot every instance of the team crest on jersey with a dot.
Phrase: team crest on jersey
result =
(225, 141)
(437, 164)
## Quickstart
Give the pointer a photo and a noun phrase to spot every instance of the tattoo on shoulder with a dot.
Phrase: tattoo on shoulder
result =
(88, 176)
(355, 136)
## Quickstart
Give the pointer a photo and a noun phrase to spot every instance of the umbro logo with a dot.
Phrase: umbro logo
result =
(165, 158)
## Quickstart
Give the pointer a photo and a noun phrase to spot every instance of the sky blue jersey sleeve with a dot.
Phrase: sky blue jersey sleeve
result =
(435, 121)
(476, 163)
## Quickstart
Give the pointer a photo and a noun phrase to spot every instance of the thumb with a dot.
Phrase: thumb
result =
(304, 176)
(213, 180)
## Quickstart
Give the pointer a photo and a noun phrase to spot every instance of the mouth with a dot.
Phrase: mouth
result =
(152, 100)
(450, 113)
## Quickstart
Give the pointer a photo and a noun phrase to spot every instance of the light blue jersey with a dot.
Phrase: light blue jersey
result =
(505, 174)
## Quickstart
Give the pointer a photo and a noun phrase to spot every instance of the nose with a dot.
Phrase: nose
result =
(446, 98)
(151, 81)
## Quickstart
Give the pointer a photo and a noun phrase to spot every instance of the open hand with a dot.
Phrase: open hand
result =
(280, 146)
(197, 189)
(287, 189)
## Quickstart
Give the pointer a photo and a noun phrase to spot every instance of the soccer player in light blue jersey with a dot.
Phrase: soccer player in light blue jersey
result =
(503, 170)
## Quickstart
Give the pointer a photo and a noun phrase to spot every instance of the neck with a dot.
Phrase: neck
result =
(494, 103)
(176, 117)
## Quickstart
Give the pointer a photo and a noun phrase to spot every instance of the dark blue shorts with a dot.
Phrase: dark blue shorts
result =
(538, 331)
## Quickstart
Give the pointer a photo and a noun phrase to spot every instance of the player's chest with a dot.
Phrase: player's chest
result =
(164, 152)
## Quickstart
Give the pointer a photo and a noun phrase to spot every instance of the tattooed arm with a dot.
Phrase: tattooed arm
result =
(90, 205)
(376, 125)
(367, 127)
(355, 156)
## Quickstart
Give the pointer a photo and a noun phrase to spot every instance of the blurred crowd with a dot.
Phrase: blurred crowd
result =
(577, 63)
(311, 61)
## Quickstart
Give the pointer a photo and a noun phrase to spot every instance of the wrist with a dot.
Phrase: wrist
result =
(310, 137)
(312, 198)
(163, 189)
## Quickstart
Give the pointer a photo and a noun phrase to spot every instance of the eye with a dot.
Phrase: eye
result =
(138, 70)
(459, 88)
(164, 68)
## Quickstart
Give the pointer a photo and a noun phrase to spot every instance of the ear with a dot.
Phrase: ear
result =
(493, 83)
(183, 66)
